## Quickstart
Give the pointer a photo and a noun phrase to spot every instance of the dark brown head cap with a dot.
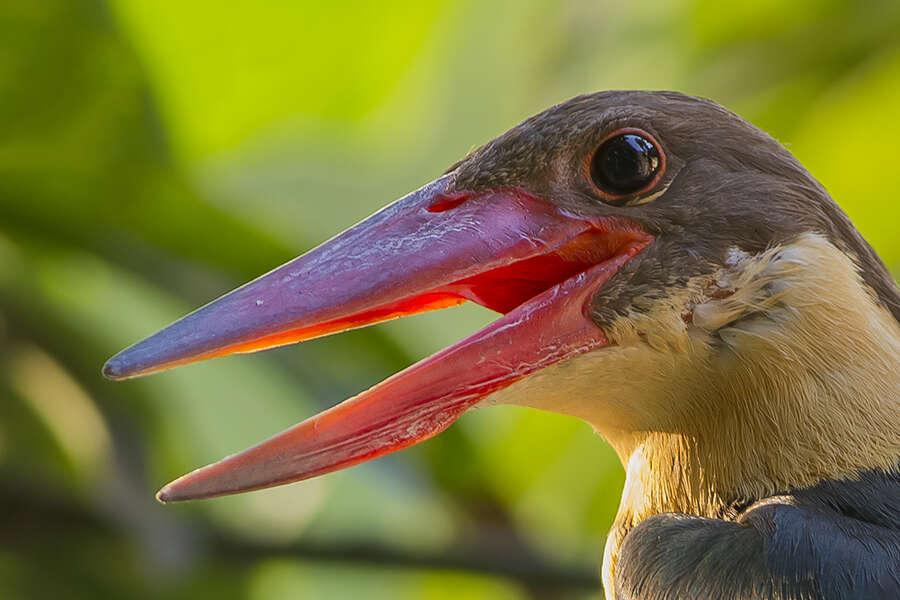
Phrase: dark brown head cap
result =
(726, 182)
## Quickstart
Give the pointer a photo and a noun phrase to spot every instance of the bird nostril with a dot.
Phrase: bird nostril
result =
(447, 201)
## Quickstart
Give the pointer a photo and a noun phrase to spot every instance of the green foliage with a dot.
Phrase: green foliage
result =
(155, 154)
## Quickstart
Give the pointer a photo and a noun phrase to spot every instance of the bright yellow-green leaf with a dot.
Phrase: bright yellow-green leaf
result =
(224, 71)
(849, 141)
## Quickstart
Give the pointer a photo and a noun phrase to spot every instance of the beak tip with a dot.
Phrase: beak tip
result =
(113, 369)
(190, 487)
(164, 496)
(116, 369)
(168, 493)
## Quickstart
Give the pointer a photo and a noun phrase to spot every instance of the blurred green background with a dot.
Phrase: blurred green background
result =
(156, 154)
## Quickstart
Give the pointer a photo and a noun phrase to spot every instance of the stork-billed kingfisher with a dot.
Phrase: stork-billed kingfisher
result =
(666, 272)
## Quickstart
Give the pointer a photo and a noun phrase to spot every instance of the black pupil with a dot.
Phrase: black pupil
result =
(625, 163)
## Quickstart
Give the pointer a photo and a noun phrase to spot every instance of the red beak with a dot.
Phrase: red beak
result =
(503, 249)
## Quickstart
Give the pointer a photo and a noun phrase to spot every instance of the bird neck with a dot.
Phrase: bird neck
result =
(774, 372)
(796, 379)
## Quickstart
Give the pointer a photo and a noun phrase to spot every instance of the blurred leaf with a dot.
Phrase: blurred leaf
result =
(283, 580)
(246, 69)
(849, 140)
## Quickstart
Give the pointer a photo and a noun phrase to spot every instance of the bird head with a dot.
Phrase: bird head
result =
(656, 260)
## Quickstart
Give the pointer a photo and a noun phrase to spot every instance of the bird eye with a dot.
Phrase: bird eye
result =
(626, 163)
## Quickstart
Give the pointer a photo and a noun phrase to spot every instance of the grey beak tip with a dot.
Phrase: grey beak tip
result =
(124, 365)
(114, 369)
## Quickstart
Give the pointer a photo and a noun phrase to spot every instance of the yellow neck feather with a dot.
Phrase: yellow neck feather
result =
(787, 373)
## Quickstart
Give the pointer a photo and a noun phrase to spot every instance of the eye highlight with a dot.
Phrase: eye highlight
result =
(627, 162)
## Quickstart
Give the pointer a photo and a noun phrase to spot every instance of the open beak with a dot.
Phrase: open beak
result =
(504, 249)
